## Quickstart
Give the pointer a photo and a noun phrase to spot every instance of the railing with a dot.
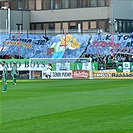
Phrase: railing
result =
(52, 32)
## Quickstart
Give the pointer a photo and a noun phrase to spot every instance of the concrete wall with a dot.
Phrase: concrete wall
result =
(119, 9)
(17, 17)
(3, 19)
(26, 20)
(122, 9)
(20, 17)
(70, 14)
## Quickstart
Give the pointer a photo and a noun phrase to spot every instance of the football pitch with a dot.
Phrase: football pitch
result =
(67, 106)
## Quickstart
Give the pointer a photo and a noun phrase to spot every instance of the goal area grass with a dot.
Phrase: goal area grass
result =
(67, 106)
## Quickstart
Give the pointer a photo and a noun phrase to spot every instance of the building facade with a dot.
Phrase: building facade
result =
(58, 15)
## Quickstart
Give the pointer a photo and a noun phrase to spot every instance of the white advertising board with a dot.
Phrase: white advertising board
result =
(58, 74)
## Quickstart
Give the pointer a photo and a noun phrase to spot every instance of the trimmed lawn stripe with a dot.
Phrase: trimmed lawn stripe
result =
(68, 106)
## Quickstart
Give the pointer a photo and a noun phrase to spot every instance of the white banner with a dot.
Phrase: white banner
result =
(63, 66)
(86, 66)
(126, 66)
(58, 74)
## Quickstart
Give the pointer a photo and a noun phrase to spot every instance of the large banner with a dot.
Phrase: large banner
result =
(41, 65)
(64, 46)
(103, 74)
(66, 66)
(75, 74)
(25, 65)
(38, 46)
(110, 44)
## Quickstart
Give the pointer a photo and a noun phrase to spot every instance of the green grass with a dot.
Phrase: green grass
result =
(67, 106)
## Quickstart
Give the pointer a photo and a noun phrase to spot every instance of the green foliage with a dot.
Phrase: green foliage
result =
(67, 106)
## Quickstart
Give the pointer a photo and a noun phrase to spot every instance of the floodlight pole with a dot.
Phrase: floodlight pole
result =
(112, 23)
(9, 20)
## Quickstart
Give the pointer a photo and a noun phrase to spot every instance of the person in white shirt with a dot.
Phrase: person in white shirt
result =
(48, 74)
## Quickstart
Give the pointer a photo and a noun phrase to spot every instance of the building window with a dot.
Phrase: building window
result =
(13, 5)
(107, 2)
(101, 24)
(4, 4)
(124, 26)
(38, 27)
(101, 2)
(52, 4)
(73, 25)
(65, 26)
(46, 4)
(26, 4)
(57, 27)
(38, 4)
(85, 26)
(132, 26)
(45, 26)
(93, 3)
(65, 3)
(86, 3)
(120, 25)
(129, 29)
(73, 3)
(107, 25)
(57, 4)
(93, 25)
(80, 3)
(32, 26)
(51, 26)
(20, 4)
(31, 4)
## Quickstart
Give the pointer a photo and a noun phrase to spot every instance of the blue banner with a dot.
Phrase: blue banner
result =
(64, 46)
(110, 44)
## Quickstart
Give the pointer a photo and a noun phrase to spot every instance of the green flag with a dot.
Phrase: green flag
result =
(78, 66)
(54, 66)
(94, 65)
(119, 67)
(131, 66)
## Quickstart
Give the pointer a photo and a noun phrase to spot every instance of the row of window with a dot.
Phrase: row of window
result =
(125, 26)
(59, 26)
(52, 4)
